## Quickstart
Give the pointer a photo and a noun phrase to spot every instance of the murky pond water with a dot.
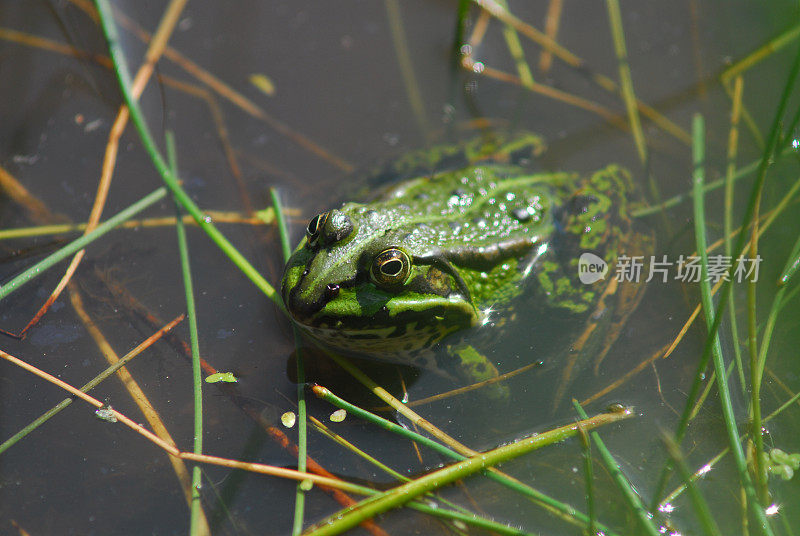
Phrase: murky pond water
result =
(304, 97)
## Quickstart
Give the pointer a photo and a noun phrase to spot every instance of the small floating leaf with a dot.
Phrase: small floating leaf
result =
(338, 415)
(306, 485)
(288, 419)
(779, 456)
(267, 215)
(783, 471)
(263, 83)
(227, 377)
(781, 463)
(106, 413)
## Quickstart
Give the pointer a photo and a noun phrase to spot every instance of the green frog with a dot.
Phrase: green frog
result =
(463, 236)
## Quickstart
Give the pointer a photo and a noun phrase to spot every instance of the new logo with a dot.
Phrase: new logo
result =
(591, 268)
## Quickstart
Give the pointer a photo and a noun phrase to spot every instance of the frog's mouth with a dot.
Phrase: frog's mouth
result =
(357, 310)
(398, 331)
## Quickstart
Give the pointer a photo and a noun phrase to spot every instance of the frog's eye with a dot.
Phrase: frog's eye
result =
(315, 227)
(390, 267)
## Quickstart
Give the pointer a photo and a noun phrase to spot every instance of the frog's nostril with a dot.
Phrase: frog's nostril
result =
(331, 291)
(304, 305)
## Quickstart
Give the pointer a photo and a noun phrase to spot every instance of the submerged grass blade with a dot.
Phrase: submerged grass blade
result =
(733, 147)
(302, 417)
(712, 319)
(791, 265)
(698, 501)
(406, 68)
(675, 200)
(551, 24)
(80, 243)
(196, 523)
(772, 46)
(94, 382)
(628, 492)
(698, 474)
(711, 338)
(547, 43)
(515, 49)
(626, 81)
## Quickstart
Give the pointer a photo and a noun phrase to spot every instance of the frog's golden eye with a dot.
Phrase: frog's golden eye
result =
(390, 267)
(315, 227)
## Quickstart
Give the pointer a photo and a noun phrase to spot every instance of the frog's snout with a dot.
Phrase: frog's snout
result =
(302, 308)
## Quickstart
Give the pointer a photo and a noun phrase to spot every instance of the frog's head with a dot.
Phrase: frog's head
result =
(356, 282)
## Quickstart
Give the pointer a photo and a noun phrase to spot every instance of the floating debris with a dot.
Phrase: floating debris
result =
(226, 377)
(106, 413)
(263, 84)
(288, 419)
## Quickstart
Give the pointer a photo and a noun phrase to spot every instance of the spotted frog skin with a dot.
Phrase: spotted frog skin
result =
(464, 235)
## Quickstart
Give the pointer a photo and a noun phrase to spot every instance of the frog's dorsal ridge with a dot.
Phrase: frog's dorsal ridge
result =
(519, 149)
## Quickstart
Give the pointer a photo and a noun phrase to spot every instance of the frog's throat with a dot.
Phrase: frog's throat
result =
(397, 333)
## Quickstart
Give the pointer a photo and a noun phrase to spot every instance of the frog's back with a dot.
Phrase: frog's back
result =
(467, 214)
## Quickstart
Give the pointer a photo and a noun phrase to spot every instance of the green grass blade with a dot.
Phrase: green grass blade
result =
(626, 81)
(302, 417)
(393, 498)
(80, 243)
(588, 473)
(515, 49)
(280, 219)
(698, 501)
(713, 317)
(123, 76)
(196, 521)
(94, 382)
(772, 46)
(791, 265)
(547, 502)
(711, 338)
(698, 149)
(733, 149)
(406, 68)
(628, 492)
(676, 200)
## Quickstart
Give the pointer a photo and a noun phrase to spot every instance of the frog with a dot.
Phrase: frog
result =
(463, 235)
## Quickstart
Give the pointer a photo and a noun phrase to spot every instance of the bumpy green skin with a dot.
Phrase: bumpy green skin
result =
(477, 235)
